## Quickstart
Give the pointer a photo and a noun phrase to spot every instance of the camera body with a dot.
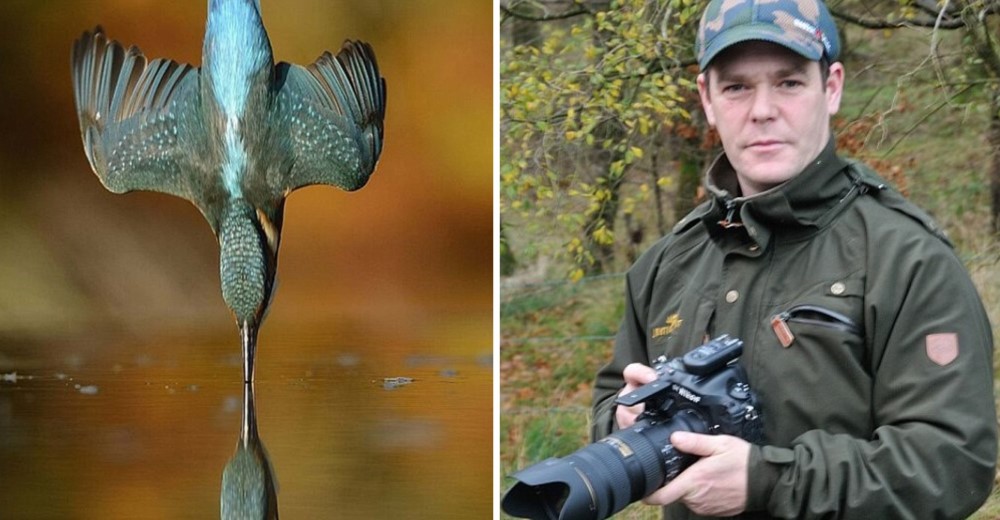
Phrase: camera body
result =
(705, 391)
(705, 383)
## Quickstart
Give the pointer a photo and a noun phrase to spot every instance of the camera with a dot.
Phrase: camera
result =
(705, 391)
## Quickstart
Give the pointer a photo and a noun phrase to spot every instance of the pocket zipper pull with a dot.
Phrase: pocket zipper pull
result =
(779, 323)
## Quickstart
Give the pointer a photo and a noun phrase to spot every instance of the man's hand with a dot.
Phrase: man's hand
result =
(717, 484)
(635, 375)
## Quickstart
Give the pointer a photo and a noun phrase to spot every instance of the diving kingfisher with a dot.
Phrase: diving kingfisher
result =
(234, 137)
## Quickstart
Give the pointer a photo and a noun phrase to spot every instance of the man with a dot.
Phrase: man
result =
(864, 337)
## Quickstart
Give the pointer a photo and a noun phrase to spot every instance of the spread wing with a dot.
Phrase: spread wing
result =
(333, 111)
(140, 121)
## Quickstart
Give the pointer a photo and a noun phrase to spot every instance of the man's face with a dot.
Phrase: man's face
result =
(771, 110)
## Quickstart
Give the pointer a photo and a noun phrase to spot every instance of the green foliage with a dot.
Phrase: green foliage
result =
(596, 115)
(580, 108)
(916, 113)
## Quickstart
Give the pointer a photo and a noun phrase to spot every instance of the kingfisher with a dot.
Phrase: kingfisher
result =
(234, 137)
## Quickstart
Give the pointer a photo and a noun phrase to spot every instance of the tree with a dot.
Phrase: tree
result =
(582, 106)
(979, 21)
(598, 139)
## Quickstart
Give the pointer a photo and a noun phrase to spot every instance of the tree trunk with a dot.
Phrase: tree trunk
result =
(994, 173)
(508, 263)
(604, 254)
(661, 224)
(688, 180)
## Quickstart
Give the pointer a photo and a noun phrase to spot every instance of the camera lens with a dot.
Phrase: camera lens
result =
(602, 478)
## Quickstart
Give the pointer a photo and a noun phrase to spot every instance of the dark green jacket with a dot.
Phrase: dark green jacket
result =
(867, 413)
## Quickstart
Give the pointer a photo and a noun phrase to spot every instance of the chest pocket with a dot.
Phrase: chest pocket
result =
(810, 315)
(814, 351)
(827, 316)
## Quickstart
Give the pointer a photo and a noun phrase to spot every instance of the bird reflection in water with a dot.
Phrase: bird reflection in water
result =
(234, 137)
(248, 490)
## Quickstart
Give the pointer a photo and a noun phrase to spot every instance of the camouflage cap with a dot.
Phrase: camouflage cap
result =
(804, 26)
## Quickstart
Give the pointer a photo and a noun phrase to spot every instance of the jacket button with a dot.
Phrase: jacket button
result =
(732, 296)
(838, 288)
(753, 248)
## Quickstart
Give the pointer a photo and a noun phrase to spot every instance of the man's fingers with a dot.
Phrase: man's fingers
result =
(697, 444)
(715, 485)
(687, 442)
(637, 374)
(676, 490)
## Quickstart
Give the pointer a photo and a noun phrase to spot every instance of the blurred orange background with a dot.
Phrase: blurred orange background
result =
(411, 252)
(120, 294)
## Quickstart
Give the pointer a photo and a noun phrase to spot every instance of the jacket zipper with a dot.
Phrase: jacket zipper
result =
(727, 222)
(805, 314)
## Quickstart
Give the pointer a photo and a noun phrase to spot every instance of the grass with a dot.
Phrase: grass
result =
(553, 339)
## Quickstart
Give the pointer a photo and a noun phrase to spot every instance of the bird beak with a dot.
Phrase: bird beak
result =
(248, 334)
(248, 430)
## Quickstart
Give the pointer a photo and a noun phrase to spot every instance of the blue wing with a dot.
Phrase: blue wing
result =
(140, 121)
(333, 111)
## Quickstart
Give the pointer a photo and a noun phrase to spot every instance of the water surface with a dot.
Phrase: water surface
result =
(348, 429)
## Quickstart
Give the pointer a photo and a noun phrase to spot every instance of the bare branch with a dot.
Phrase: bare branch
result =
(580, 9)
(946, 22)
(936, 40)
(932, 8)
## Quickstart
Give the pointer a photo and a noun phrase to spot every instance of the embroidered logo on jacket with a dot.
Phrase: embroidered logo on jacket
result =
(942, 348)
(672, 324)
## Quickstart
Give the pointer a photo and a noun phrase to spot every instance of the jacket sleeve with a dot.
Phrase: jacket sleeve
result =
(932, 453)
(630, 347)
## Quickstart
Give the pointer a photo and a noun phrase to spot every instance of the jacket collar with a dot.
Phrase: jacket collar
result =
(801, 202)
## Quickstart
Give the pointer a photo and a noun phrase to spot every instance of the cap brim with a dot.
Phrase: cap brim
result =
(754, 32)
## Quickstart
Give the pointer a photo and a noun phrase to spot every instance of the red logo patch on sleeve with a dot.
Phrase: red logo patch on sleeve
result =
(942, 348)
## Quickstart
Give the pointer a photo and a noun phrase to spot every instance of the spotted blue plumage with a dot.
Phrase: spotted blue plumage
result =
(233, 137)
